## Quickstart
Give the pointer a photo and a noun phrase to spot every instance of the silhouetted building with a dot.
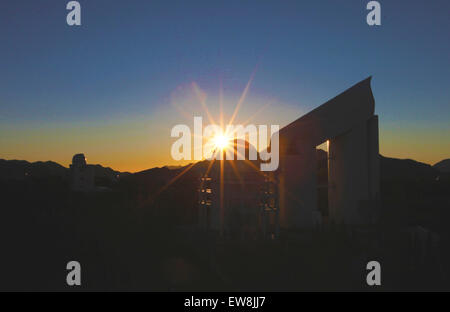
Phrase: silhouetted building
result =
(348, 124)
(232, 199)
(311, 186)
(81, 174)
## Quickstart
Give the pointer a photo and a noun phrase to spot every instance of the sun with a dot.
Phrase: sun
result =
(221, 141)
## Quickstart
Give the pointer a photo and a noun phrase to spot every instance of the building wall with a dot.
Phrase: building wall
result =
(348, 122)
(233, 210)
(354, 174)
(298, 188)
(82, 178)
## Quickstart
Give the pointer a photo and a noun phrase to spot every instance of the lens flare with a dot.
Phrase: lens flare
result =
(221, 142)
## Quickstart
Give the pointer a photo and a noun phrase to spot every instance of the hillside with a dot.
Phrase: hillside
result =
(22, 169)
(443, 165)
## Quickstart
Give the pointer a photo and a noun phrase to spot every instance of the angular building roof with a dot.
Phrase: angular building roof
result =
(332, 118)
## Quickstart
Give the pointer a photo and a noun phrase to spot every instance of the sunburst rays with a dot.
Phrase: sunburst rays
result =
(222, 140)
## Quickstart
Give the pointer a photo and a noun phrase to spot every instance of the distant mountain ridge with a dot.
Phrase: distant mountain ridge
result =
(443, 165)
(394, 168)
(22, 169)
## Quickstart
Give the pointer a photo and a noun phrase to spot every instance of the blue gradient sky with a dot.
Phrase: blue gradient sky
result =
(106, 88)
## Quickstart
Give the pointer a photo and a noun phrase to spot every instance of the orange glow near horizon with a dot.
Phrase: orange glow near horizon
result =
(141, 141)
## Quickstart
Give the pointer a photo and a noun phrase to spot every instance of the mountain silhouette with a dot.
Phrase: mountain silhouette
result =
(22, 169)
(393, 168)
(443, 165)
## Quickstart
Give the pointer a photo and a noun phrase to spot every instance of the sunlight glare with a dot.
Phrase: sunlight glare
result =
(221, 141)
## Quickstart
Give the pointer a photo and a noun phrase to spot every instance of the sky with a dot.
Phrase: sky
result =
(114, 87)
